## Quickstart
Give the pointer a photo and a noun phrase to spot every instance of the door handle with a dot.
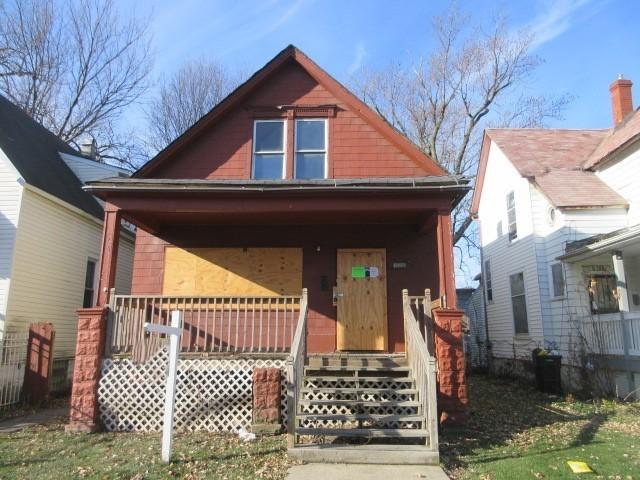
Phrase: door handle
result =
(336, 296)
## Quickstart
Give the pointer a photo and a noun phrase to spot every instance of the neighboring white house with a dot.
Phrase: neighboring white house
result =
(559, 219)
(50, 231)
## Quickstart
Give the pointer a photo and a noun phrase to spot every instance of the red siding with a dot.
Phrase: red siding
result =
(356, 149)
(402, 244)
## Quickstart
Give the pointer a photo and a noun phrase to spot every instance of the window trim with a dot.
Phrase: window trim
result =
(269, 152)
(564, 282)
(295, 144)
(524, 296)
(515, 217)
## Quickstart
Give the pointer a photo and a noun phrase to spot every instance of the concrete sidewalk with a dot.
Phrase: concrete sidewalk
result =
(15, 424)
(341, 471)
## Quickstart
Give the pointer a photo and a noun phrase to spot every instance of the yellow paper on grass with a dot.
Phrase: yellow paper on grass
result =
(579, 467)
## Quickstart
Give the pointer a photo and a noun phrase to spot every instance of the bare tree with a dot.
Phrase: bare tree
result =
(74, 67)
(442, 101)
(182, 99)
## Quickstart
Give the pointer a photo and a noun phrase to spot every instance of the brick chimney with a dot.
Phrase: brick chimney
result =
(621, 101)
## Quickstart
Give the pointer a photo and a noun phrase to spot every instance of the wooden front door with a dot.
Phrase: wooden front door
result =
(362, 299)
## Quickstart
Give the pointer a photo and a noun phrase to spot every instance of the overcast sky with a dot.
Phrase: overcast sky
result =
(585, 44)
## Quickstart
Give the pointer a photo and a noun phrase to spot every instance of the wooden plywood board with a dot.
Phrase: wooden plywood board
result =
(232, 271)
(362, 307)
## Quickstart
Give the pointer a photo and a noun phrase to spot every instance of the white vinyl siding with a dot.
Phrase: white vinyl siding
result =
(10, 197)
(52, 247)
(622, 174)
(509, 257)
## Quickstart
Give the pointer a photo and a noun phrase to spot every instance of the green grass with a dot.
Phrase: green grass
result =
(514, 432)
(49, 453)
(517, 433)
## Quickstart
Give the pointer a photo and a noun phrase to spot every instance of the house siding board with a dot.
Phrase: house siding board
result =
(356, 149)
(402, 243)
(621, 174)
(53, 244)
(10, 198)
(508, 258)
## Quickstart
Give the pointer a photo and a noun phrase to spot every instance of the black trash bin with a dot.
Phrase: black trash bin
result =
(548, 377)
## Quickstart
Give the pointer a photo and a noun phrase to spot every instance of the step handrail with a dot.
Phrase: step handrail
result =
(295, 368)
(423, 364)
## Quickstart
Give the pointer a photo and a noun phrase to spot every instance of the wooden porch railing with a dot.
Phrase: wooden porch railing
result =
(210, 324)
(612, 333)
(295, 369)
(421, 360)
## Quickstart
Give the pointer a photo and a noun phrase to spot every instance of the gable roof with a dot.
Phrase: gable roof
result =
(291, 53)
(554, 160)
(34, 152)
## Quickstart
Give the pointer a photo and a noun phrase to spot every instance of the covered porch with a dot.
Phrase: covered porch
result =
(605, 270)
(235, 256)
(278, 273)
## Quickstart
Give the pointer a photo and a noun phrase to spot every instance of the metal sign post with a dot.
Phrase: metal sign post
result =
(173, 332)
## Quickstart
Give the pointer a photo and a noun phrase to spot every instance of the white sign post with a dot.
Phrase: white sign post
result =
(173, 332)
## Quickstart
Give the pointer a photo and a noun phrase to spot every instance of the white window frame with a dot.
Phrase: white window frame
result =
(488, 279)
(564, 282)
(526, 307)
(267, 152)
(326, 144)
(515, 217)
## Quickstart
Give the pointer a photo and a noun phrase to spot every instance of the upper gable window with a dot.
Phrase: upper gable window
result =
(311, 148)
(268, 149)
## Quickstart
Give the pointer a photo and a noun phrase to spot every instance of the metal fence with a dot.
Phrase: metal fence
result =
(13, 359)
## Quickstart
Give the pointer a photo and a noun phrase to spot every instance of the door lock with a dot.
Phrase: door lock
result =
(336, 296)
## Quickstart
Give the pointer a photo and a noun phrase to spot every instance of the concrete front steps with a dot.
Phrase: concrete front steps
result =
(360, 408)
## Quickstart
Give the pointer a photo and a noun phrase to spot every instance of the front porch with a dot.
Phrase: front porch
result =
(280, 276)
(603, 274)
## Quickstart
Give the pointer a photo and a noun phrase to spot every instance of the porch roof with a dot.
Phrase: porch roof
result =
(154, 203)
(450, 183)
(627, 238)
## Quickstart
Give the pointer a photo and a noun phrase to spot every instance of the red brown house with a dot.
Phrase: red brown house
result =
(290, 183)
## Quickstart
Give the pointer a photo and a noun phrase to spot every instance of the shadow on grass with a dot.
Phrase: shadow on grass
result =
(500, 410)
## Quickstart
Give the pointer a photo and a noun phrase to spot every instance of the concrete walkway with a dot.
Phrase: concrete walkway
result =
(15, 424)
(341, 471)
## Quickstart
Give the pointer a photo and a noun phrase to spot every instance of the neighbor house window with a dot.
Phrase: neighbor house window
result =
(268, 149)
(511, 216)
(487, 281)
(89, 284)
(519, 303)
(603, 293)
(311, 148)
(557, 275)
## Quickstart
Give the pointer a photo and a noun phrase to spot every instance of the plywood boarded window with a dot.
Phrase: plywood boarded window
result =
(232, 271)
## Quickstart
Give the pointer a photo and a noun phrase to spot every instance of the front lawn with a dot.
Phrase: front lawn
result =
(49, 453)
(516, 432)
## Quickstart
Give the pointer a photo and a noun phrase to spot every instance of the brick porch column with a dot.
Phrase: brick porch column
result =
(86, 373)
(452, 382)
(266, 400)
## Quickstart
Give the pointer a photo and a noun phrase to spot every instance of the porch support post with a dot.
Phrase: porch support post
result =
(84, 414)
(445, 260)
(623, 305)
(108, 253)
(618, 267)
(452, 380)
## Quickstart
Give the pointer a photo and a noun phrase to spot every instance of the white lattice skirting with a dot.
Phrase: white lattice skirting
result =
(211, 394)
